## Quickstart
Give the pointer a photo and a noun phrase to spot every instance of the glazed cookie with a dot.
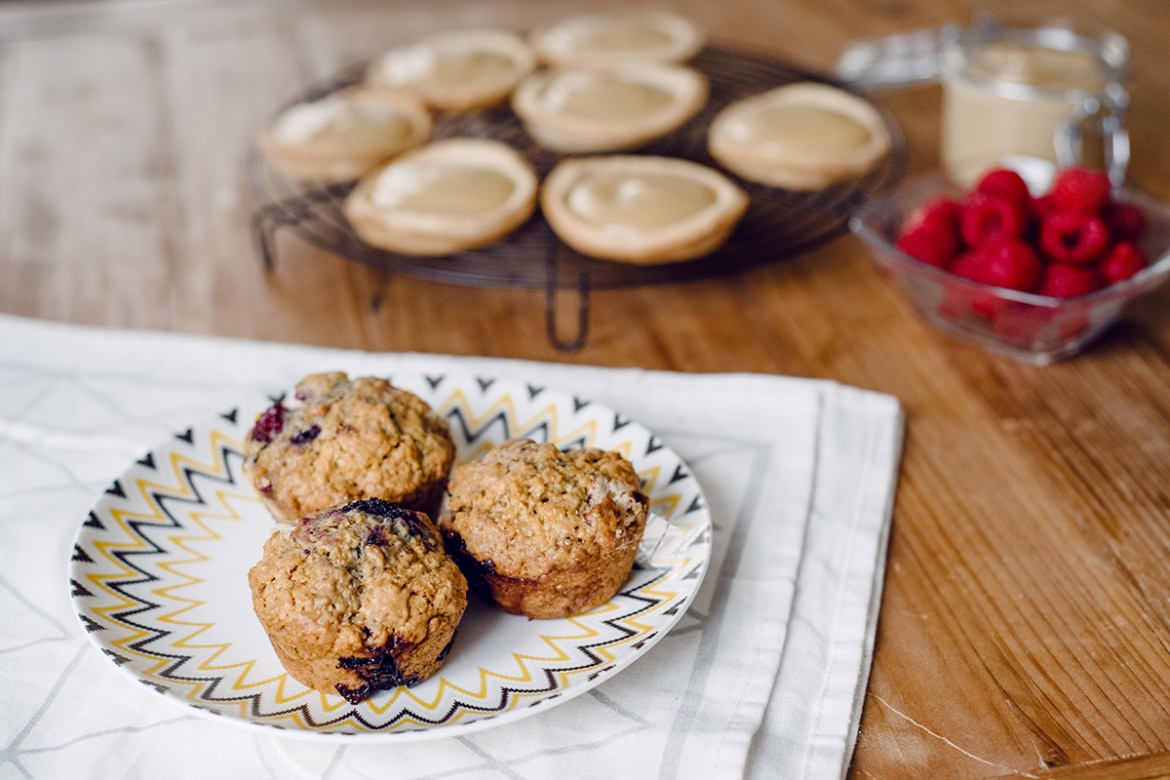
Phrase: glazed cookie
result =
(641, 209)
(346, 133)
(446, 197)
(592, 109)
(346, 440)
(803, 136)
(458, 69)
(359, 599)
(625, 35)
(547, 533)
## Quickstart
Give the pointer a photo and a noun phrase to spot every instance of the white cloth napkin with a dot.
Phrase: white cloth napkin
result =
(764, 677)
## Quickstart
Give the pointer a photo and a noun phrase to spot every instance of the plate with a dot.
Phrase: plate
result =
(159, 578)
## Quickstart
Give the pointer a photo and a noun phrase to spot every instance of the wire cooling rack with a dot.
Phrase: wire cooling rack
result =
(777, 224)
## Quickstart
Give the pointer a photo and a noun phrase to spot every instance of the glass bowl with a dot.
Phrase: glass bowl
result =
(1032, 328)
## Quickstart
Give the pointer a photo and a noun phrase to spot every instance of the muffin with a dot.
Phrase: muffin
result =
(359, 599)
(545, 533)
(347, 440)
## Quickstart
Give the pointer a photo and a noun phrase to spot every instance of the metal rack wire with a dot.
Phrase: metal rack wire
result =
(778, 223)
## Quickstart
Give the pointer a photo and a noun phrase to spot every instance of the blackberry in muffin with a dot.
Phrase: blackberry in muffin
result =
(359, 599)
(348, 440)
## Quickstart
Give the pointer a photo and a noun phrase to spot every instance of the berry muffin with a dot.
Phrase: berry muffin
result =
(359, 599)
(545, 533)
(348, 439)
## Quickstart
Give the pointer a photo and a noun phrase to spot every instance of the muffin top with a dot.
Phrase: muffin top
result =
(348, 440)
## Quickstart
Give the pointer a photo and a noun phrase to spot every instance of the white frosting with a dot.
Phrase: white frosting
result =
(398, 182)
(304, 120)
(409, 64)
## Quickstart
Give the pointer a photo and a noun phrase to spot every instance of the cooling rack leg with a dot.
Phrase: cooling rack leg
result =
(264, 232)
(552, 296)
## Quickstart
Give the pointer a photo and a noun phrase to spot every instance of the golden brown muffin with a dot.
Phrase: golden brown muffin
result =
(359, 599)
(347, 440)
(548, 533)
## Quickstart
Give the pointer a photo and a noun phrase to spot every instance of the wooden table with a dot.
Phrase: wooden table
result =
(1025, 625)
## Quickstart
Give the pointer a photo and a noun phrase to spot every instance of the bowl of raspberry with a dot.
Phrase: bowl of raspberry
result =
(1034, 272)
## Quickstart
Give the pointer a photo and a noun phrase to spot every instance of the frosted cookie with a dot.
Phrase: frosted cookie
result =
(548, 533)
(608, 109)
(640, 208)
(347, 440)
(456, 70)
(803, 136)
(345, 134)
(609, 37)
(445, 197)
(359, 599)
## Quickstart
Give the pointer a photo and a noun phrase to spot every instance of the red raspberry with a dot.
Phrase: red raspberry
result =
(1069, 237)
(1042, 206)
(1081, 190)
(1007, 184)
(985, 218)
(1068, 281)
(967, 265)
(936, 211)
(1020, 323)
(1125, 221)
(1010, 263)
(932, 243)
(970, 265)
(1122, 262)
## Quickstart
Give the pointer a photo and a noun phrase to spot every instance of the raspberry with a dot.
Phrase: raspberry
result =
(1020, 323)
(1010, 263)
(1081, 190)
(1068, 237)
(970, 265)
(985, 218)
(1042, 206)
(1122, 262)
(269, 425)
(1125, 221)
(967, 265)
(932, 243)
(1007, 184)
(936, 211)
(1068, 281)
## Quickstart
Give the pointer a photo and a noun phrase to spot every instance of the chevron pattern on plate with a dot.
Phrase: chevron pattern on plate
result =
(159, 578)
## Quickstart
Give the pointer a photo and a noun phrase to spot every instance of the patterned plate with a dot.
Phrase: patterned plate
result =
(159, 579)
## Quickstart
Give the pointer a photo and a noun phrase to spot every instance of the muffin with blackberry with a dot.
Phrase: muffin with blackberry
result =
(545, 533)
(359, 599)
(347, 440)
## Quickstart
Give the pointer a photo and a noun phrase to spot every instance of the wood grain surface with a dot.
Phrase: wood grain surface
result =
(1025, 623)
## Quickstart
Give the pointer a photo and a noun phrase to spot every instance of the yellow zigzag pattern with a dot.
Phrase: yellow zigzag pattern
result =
(131, 541)
(221, 506)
